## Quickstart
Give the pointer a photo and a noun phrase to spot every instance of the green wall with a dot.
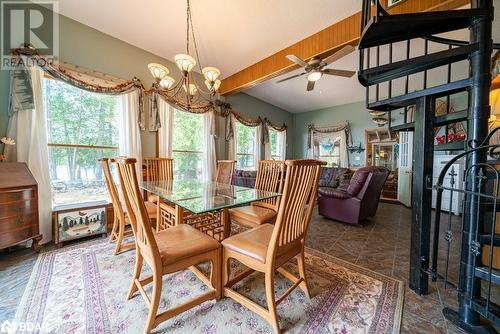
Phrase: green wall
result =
(253, 107)
(89, 48)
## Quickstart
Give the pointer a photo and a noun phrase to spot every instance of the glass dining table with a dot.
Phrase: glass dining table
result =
(203, 205)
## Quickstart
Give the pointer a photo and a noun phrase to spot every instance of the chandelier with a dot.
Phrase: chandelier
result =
(186, 92)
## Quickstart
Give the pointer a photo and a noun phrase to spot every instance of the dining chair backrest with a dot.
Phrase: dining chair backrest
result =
(296, 206)
(225, 169)
(270, 178)
(158, 169)
(139, 219)
(112, 189)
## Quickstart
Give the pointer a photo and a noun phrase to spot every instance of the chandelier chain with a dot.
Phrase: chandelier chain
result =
(188, 14)
(191, 26)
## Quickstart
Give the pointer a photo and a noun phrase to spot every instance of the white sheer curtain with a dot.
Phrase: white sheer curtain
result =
(232, 146)
(129, 133)
(267, 150)
(165, 133)
(344, 156)
(257, 150)
(330, 137)
(282, 145)
(28, 128)
(209, 157)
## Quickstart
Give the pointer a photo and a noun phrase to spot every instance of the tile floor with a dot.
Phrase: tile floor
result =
(382, 245)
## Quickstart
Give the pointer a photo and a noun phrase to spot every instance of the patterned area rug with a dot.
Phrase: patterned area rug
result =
(82, 289)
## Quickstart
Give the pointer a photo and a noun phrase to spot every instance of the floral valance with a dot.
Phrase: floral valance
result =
(328, 129)
(253, 122)
(73, 77)
(98, 82)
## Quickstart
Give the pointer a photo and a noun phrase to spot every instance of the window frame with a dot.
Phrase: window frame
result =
(255, 142)
(47, 77)
(181, 151)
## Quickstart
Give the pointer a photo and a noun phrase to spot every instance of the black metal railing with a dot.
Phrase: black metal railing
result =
(483, 195)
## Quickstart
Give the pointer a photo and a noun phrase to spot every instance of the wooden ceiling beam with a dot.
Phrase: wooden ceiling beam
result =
(320, 44)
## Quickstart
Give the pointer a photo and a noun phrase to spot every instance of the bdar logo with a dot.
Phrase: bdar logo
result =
(7, 327)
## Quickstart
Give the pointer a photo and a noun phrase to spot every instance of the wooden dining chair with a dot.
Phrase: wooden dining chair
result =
(269, 178)
(175, 249)
(158, 169)
(225, 169)
(267, 247)
(120, 217)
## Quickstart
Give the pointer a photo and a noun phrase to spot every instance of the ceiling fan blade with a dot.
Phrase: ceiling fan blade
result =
(340, 73)
(339, 54)
(297, 60)
(310, 85)
(291, 77)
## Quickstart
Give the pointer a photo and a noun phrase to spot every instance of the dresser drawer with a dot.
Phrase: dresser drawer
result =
(13, 237)
(20, 208)
(18, 222)
(16, 195)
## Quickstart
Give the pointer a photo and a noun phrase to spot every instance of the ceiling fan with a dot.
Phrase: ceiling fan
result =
(315, 68)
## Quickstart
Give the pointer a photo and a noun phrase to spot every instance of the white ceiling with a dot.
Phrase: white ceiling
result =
(292, 96)
(330, 91)
(231, 34)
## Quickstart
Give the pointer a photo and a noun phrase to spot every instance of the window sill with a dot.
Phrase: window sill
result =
(60, 207)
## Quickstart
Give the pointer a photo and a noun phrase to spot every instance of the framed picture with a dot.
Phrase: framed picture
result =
(72, 222)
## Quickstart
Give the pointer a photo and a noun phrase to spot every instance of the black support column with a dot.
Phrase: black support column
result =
(423, 156)
(480, 62)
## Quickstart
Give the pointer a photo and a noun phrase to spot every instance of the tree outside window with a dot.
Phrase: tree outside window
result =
(245, 146)
(81, 128)
(273, 141)
(187, 145)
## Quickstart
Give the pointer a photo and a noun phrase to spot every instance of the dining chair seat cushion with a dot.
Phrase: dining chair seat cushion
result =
(254, 243)
(252, 215)
(183, 241)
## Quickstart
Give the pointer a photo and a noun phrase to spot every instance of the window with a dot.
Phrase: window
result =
(273, 141)
(187, 146)
(245, 146)
(81, 128)
(330, 152)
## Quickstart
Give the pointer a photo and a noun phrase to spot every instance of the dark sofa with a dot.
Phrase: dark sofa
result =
(356, 202)
(330, 177)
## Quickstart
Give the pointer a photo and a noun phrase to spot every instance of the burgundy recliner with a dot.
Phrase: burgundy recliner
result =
(356, 202)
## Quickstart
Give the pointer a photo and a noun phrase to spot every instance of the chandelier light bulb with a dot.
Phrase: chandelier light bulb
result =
(211, 73)
(167, 82)
(216, 85)
(185, 62)
(192, 89)
(212, 86)
(158, 71)
(314, 76)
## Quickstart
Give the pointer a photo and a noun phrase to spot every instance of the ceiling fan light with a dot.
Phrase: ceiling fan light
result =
(158, 71)
(167, 82)
(184, 62)
(192, 89)
(211, 73)
(314, 76)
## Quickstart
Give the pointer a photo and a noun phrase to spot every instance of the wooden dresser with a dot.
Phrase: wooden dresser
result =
(18, 205)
